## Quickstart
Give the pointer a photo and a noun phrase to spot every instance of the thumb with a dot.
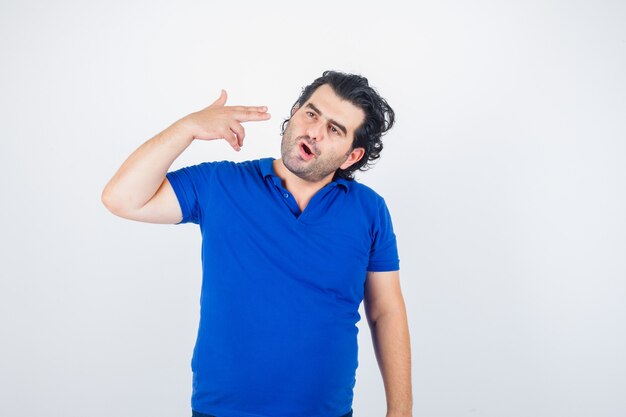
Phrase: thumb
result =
(221, 100)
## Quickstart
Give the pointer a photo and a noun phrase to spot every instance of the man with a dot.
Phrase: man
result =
(290, 248)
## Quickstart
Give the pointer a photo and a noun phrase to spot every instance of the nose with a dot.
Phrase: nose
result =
(316, 131)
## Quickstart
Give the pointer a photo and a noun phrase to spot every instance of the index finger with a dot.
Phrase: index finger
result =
(249, 108)
(251, 116)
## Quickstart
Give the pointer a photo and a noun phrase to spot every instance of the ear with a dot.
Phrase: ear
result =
(295, 108)
(354, 157)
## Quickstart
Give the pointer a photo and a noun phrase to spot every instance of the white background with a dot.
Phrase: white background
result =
(504, 174)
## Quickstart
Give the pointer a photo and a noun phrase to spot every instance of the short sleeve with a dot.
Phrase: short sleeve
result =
(190, 185)
(384, 250)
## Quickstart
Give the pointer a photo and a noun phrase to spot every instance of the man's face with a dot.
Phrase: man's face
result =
(318, 138)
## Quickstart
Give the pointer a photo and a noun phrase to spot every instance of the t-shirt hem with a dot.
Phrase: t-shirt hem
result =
(180, 196)
(384, 267)
(220, 412)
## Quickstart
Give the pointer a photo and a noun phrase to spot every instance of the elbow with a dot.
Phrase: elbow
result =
(113, 207)
(104, 198)
(395, 311)
(108, 200)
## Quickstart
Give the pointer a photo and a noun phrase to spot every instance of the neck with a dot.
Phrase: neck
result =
(301, 189)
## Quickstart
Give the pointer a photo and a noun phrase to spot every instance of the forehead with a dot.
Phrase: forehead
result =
(334, 107)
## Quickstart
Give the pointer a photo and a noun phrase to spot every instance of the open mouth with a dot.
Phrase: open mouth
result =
(306, 151)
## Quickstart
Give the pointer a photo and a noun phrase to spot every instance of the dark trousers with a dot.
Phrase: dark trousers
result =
(197, 414)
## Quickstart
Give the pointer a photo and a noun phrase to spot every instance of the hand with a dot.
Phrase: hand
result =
(218, 121)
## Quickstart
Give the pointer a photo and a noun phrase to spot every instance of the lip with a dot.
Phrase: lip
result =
(303, 154)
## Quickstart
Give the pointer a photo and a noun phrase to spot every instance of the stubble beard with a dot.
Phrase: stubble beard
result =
(313, 170)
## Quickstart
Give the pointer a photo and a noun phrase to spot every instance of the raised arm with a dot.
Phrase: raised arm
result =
(139, 189)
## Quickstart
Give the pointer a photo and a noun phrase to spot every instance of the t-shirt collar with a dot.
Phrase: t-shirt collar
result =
(267, 170)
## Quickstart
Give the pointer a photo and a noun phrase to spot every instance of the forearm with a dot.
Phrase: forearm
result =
(390, 337)
(140, 176)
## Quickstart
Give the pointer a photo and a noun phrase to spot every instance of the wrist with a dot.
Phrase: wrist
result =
(396, 413)
(183, 130)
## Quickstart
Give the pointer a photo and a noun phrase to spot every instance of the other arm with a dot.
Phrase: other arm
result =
(387, 319)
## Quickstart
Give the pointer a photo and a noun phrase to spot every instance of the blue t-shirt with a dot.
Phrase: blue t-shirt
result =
(281, 288)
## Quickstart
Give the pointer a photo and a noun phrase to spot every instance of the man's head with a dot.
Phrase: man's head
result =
(336, 126)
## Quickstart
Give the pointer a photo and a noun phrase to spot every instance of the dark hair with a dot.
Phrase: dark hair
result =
(379, 116)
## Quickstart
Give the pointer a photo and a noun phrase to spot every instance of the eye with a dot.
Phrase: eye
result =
(310, 114)
(334, 130)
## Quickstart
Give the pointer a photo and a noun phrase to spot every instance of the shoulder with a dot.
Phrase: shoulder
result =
(365, 194)
(210, 172)
(232, 168)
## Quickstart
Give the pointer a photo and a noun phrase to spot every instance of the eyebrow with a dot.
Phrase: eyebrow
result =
(339, 125)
